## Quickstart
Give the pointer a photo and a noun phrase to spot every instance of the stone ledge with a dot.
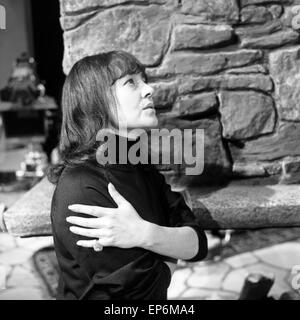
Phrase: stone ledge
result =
(30, 215)
(231, 207)
(247, 207)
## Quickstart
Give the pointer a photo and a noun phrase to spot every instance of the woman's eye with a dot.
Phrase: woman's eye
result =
(130, 81)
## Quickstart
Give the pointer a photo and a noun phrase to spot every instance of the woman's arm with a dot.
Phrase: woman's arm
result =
(180, 243)
(180, 216)
(122, 227)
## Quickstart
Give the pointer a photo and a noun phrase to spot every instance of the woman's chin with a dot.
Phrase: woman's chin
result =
(144, 123)
(152, 123)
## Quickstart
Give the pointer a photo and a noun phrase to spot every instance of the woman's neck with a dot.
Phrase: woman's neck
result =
(129, 134)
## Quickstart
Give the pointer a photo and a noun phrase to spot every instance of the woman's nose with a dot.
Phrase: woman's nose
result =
(147, 90)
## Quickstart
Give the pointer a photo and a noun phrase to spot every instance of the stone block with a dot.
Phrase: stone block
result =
(68, 7)
(206, 63)
(226, 82)
(291, 171)
(256, 68)
(143, 31)
(258, 30)
(273, 40)
(290, 17)
(246, 114)
(251, 2)
(165, 94)
(216, 161)
(196, 104)
(285, 71)
(212, 10)
(260, 14)
(201, 36)
(241, 169)
(283, 143)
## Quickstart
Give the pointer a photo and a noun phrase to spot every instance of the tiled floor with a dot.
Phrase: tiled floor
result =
(224, 279)
(18, 277)
(215, 280)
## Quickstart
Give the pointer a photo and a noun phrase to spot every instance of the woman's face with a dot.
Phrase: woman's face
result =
(134, 102)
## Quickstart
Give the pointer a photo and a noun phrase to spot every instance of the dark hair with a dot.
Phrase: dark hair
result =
(88, 105)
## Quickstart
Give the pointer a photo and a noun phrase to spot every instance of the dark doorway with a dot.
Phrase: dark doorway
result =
(48, 45)
(47, 40)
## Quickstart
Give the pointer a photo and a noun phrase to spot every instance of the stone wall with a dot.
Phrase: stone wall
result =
(230, 67)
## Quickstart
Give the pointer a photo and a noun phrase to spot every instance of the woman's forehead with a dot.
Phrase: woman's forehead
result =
(138, 74)
(122, 67)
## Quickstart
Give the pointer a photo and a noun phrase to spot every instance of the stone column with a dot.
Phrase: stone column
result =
(229, 67)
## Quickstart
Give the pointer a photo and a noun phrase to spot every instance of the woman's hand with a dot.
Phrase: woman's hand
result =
(119, 227)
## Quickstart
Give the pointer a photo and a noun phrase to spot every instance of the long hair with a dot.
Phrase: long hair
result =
(88, 105)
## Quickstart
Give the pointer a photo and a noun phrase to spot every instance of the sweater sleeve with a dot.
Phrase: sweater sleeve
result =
(73, 189)
(180, 215)
(111, 273)
(108, 272)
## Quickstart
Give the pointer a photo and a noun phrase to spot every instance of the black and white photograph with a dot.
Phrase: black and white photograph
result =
(150, 152)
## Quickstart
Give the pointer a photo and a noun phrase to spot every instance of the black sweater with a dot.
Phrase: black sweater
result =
(116, 273)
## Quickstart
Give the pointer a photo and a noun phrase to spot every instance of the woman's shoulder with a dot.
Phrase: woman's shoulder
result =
(86, 173)
(84, 183)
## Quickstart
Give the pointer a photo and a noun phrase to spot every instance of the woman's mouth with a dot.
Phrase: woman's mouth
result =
(149, 106)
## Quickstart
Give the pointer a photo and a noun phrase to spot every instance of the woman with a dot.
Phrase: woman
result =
(118, 228)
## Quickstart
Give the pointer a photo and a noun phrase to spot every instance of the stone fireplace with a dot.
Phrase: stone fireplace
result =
(230, 67)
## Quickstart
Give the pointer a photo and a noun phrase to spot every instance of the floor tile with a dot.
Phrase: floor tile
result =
(208, 276)
(241, 260)
(234, 280)
(196, 294)
(223, 295)
(23, 294)
(177, 285)
(7, 242)
(26, 278)
(285, 255)
(4, 271)
(15, 256)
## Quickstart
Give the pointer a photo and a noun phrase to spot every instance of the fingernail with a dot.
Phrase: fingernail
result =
(73, 207)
